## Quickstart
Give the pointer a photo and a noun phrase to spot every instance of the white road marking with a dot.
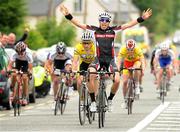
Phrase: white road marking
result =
(149, 118)
(163, 129)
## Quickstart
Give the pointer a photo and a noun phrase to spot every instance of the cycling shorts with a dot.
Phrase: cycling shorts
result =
(128, 64)
(83, 66)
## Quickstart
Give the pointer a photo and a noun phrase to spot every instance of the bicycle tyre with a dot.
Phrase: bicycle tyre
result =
(90, 115)
(63, 98)
(131, 87)
(82, 105)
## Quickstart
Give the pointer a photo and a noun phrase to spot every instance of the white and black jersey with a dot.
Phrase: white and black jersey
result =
(21, 62)
(58, 62)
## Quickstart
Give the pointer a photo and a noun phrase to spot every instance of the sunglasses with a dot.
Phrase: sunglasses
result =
(60, 53)
(86, 43)
(104, 20)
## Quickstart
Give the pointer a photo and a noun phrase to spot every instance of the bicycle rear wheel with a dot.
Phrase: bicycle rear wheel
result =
(90, 115)
(82, 105)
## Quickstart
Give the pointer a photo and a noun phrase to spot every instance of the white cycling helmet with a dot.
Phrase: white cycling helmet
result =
(68, 62)
(130, 44)
(164, 46)
(105, 15)
(87, 36)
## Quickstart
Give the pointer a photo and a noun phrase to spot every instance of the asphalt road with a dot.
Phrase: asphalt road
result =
(148, 114)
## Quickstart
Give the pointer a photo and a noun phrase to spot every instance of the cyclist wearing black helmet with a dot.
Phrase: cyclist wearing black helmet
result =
(23, 61)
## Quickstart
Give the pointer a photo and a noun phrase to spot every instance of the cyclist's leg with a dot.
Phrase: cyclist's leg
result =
(137, 74)
(25, 88)
(115, 86)
(93, 84)
(55, 85)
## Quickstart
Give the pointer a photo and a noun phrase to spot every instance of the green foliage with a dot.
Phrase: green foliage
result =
(53, 33)
(11, 14)
(36, 40)
(165, 19)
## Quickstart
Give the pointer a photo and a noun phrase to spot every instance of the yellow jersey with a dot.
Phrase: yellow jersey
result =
(134, 55)
(85, 56)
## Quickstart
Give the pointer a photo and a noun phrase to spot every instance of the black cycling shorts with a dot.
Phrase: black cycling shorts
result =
(83, 66)
(108, 66)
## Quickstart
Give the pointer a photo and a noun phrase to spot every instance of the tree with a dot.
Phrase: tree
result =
(12, 13)
(165, 17)
(54, 33)
(36, 40)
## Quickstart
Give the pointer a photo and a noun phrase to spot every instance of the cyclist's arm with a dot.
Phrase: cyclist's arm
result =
(66, 13)
(30, 66)
(146, 14)
(142, 60)
(49, 65)
(10, 65)
(75, 63)
(152, 59)
(24, 37)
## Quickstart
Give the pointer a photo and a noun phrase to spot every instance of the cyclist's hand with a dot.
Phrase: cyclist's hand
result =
(64, 10)
(147, 13)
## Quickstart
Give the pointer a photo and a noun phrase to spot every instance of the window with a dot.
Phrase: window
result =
(78, 5)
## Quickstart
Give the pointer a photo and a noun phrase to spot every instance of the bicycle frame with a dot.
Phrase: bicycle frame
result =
(130, 95)
(84, 100)
(163, 85)
(102, 96)
(62, 92)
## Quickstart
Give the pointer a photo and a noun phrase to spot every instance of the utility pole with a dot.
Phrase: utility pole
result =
(49, 13)
(85, 12)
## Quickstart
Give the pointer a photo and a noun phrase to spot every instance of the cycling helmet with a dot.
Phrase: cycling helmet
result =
(105, 15)
(86, 37)
(164, 46)
(20, 47)
(130, 44)
(61, 47)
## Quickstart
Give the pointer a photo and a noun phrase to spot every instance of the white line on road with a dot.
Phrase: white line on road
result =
(169, 121)
(149, 118)
(163, 129)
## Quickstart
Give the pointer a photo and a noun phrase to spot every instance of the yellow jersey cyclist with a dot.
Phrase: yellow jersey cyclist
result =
(84, 54)
(23, 61)
(105, 52)
(58, 60)
(132, 56)
(164, 58)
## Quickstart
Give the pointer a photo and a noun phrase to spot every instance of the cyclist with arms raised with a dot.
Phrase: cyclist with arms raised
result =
(132, 56)
(104, 36)
(23, 61)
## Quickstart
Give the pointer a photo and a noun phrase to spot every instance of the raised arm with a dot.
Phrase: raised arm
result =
(68, 16)
(146, 14)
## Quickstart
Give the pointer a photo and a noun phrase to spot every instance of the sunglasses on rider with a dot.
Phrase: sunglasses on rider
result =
(104, 20)
(86, 43)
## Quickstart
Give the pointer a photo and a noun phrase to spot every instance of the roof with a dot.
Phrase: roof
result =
(40, 7)
(119, 5)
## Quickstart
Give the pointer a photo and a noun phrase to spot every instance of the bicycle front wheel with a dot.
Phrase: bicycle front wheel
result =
(82, 105)
(64, 97)
(101, 108)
